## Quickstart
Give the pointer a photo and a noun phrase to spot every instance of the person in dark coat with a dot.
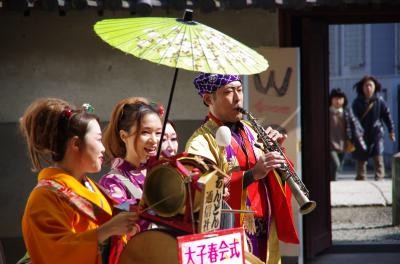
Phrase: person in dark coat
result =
(372, 111)
(346, 132)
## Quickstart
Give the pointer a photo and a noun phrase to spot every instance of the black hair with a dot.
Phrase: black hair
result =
(337, 92)
(359, 85)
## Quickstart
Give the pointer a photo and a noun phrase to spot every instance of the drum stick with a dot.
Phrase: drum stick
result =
(234, 211)
(157, 203)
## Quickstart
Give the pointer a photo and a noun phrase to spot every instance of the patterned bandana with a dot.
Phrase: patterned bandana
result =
(210, 82)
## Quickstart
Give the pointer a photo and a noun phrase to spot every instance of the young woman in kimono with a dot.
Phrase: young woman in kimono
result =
(131, 137)
(67, 217)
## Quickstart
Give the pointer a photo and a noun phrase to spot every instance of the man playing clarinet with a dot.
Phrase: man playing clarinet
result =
(252, 184)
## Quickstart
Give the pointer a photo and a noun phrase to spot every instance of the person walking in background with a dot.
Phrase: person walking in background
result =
(68, 218)
(371, 110)
(346, 133)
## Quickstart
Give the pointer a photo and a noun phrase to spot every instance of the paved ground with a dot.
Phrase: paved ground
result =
(358, 258)
(362, 223)
(347, 193)
(371, 224)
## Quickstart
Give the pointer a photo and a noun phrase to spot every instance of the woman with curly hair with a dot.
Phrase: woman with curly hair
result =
(372, 112)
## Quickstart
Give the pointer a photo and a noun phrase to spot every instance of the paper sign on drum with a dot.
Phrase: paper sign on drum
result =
(222, 246)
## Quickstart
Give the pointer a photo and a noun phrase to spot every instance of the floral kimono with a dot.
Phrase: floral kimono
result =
(61, 219)
(124, 183)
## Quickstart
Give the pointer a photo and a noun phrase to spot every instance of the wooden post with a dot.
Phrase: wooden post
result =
(396, 189)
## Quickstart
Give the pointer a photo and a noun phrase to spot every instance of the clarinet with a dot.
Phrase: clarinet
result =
(287, 174)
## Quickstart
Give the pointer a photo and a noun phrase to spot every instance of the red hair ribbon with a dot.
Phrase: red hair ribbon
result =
(67, 112)
(161, 110)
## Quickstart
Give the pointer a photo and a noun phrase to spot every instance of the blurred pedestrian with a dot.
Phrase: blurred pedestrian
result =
(346, 133)
(372, 111)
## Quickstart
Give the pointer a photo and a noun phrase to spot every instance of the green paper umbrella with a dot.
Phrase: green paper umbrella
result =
(182, 44)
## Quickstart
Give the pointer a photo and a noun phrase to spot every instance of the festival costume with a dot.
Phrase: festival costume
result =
(268, 197)
(116, 187)
(61, 219)
(115, 184)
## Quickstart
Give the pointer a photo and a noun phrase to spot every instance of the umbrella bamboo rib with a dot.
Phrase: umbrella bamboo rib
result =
(233, 65)
(218, 52)
(103, 27)
(203, 51)
(130, 32)
(186, 29)
(134, 49)
(124, 32)
(252, 52)
(166, 51)
(215, 54)
(192, 50)
(110, 23)
(155, 46)
(190, 46)
(232, 62)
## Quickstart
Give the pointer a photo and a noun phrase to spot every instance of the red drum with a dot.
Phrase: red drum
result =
(159, 246)
(154, 246)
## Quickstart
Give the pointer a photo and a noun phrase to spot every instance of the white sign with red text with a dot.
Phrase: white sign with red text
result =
(223, 246)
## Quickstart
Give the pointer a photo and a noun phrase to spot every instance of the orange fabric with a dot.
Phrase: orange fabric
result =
(55, 232)
(72, 183)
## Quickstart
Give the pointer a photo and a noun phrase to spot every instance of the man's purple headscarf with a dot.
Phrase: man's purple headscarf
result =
(210, 82)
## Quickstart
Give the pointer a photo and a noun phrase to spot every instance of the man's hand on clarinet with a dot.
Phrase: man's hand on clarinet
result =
(274, 135)
(267, 162)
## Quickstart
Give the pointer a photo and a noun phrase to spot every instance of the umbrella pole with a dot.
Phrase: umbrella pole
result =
(171, 95)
